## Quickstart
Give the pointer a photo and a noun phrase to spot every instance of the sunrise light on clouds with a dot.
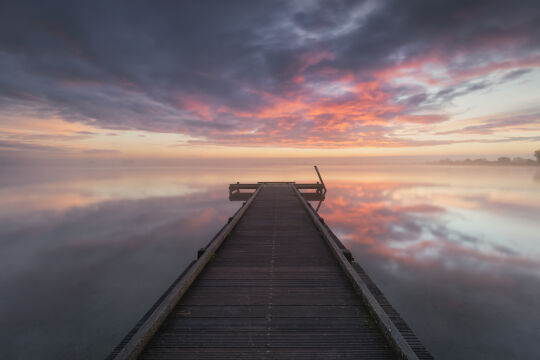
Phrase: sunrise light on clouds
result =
(269, 79)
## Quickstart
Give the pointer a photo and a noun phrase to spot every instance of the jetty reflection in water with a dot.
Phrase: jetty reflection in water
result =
(85, 252)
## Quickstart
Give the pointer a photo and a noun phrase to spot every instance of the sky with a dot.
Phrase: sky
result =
(260, 79)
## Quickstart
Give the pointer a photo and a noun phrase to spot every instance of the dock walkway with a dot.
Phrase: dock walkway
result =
(273, 289)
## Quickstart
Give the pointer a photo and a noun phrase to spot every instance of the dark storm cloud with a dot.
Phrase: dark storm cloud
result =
(210, 69)
(408, 29)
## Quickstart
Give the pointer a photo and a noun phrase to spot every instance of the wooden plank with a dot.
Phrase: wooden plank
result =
(258, 353)
(297, 311)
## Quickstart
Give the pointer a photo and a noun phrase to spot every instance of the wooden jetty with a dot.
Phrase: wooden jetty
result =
(274, 283)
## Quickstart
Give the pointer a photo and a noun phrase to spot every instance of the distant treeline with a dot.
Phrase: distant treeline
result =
(503, 160)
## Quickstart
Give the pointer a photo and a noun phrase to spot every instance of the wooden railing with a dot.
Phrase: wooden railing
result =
(242, 192)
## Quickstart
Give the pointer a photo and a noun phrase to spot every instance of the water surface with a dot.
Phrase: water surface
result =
(455, 249)
(84, 252)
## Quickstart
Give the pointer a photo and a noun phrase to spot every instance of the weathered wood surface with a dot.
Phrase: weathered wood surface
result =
(275, 290)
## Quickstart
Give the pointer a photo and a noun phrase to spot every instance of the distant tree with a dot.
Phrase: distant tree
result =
(537, 155)
(481, 161)
(503, 159)
(446, 161)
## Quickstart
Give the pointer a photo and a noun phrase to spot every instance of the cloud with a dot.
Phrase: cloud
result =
(101, 151)
(515, 74)
(493, 125)
(275, 73)
(24, 137)
(6, 145)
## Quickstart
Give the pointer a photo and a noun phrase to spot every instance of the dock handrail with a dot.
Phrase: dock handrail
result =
(320, 178)
(242, 192)
(323, 193)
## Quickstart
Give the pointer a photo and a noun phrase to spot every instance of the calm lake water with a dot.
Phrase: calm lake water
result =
(85, 252)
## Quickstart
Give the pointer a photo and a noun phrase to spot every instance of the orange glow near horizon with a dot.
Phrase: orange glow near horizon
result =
(336, 114)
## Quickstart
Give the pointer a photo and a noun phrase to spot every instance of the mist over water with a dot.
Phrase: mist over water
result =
(84, 252)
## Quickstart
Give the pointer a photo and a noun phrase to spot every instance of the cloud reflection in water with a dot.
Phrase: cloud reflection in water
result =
(469, 291)
(75, 278)
(85, 252)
